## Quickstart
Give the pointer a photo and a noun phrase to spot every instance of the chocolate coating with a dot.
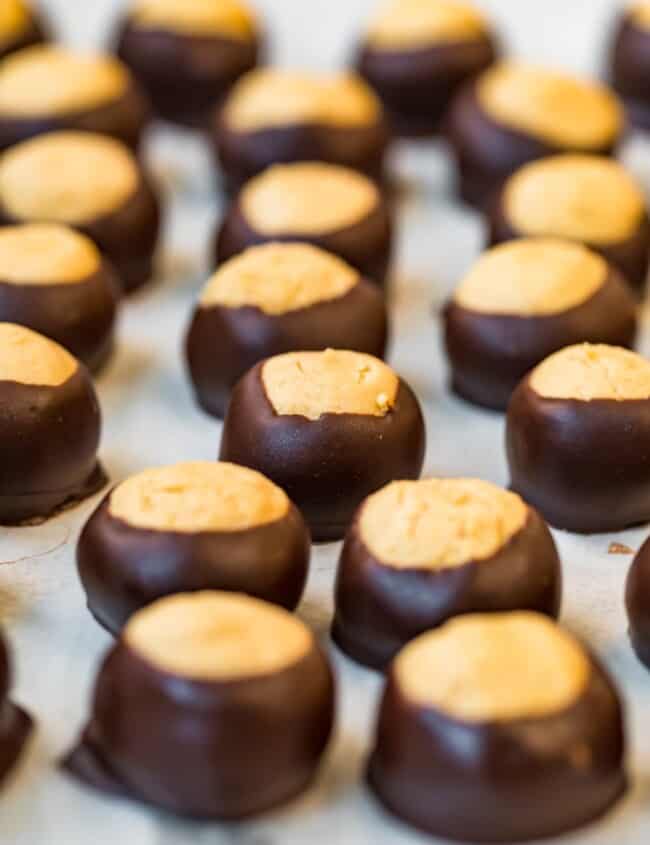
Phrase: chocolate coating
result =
(124, 567)
(124, 119)
(584, 465)
(499, 781)
(488, 152)
(489, 354)
(327, 466)
(380, 608)
(49, 437)
(185, 76)
(127, 236)
(212, 750)
(15, 723)
(223, 343)
(630, 70)
(637, 603)
(244, 154)
(416, 86)
(80, 316)
(630, 256)
(366, 245)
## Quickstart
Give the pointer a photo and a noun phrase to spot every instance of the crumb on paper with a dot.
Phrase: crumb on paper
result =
(620, 549)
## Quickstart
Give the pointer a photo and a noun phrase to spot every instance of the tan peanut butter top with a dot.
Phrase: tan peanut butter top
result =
(67, 177)
(217, 636)
(494, 668)
(27, 357)
(592, 371)
(532, 277)
(562, 110)
(307, 199)
(49, 81)
(271, 97)
(438, 524)
(336, 381)
(198, 496)
(278, 278)
(227, 18)
(46, 254)
(581, 197)
(412, 24)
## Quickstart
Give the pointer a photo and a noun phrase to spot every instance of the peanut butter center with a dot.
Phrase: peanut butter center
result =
(494, 667)
(199, 496)
(439, 523)
(216, 636)
(561, 110)
(310, 384)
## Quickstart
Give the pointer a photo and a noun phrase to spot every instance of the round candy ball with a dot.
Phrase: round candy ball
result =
(421, 552)
(275, 116)
(49, 88)
(524, 300)
(417, 54)
(329, 428)
(513, 726)
(211, 705)
(187, 54)
(189, 527)
(578, 439)
(49, 429)
(278, 298)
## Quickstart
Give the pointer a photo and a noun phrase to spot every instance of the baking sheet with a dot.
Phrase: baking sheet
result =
(150, 419)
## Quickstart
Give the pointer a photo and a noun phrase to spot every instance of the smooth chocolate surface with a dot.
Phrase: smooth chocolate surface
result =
(416, 86)
(630, 256)
(49, 437)
(244, 154)
(584, 465)
(15, 723)
(488, 152)
(489, 354)
(125, 119)
(637, 603)
(80, 315)
(212, 750)
(500, 781)
(366, 245)
(124, 567)
(127, 236)
(185, 76)
(380, 608)
(223, 343)
(327, 466)
(630, 71)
